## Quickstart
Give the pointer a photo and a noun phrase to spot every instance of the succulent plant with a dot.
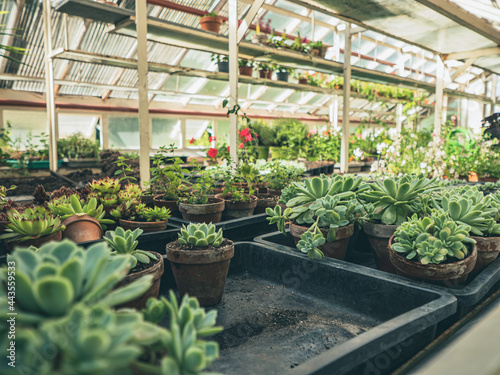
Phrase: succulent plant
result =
(125, 242)
(131, 191)
(135, 211)
(3, 194)
(395, 199)
(105, 186)
(69, 206)
(32, 223)
(61, 274)
(432, 239)
(309, 244)
(200, 235)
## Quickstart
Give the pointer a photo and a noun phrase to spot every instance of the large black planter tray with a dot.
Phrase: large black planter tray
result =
(468, 295)
(242, 229)
(285, 314)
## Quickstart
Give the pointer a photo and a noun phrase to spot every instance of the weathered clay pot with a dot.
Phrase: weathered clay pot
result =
(37, 242)
(302, 81)
(171, 205)
(157, 271)
(318, 52)
(335, 249)
(264, 201)
(146, 226)
(212, 24)
(108, 210)
(266, 74)
(274, 192)
(81, 228)
(148, 199)
(201, 273)
(203, 213)
(378, 236)
(235, 210)
(488, 249)
(245, 70)
(449, 274)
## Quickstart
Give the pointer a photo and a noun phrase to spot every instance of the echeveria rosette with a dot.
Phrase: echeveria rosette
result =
(309, 244)
(200, 235)
(431, 252)
(125, 242)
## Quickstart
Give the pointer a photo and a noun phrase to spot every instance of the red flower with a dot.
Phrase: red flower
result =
(248, 138)
(241, 145)
(256, 135)
(213, 152)
(245, 132)
(212, 139)
(227, 148)
(191, 141)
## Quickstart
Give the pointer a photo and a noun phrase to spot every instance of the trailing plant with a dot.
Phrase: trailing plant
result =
(200, 235)
(125, 242)
(432, 239)
(31, 224)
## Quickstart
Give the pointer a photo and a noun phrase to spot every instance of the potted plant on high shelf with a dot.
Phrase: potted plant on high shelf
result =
(211, 21)
(434, 248)
(33, 227)
(143, 262)
(390, 203)
(222, 62)
(78, 151)
(301, 77)
(132, 215)
(200, 260)
(317, 49)
(321, 213)
(261, 31)
(282, 73)
(265, 70)
(245, 67)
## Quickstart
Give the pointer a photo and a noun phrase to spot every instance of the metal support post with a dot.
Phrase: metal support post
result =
(344, 150)
(438, 107)
(233, 78)
(141, 11)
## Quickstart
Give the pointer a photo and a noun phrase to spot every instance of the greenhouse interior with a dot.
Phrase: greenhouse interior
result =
(303, 187)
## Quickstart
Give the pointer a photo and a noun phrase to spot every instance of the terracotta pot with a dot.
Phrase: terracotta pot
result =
(146, 226)
(449, 274)
(378, 236)
(266, 74)
(201, 273)
(302, 81)
(171, 205)
(203, 213)
(488, 249)
(246, 70)
(335, 249)
(212, 24)
(157, 271)
(318, 53)
(37, 242)
(264, 201)
(81, 228)
(236, 210)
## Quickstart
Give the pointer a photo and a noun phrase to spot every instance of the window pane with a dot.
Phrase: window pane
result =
(166, 131)
(223, 131)
(73, 124)
(200, 130)
(123, 132)
(25, 122)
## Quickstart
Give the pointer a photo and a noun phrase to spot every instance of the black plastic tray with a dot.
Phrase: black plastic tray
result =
(283, 313)
(468, 295)
(242, 229)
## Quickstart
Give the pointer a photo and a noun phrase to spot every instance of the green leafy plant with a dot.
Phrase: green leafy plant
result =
(245, 63)
(31, 224)
(395, 199)
(200, 235)
(210, 14)
(125, 242)
(72, 205)
(124, 166)
(105, 190)
(167, 174)
(280, 176)
(219, 58)
(135, 211)
(77, 147)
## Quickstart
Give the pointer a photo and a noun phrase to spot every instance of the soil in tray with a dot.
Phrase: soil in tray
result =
(269, 329)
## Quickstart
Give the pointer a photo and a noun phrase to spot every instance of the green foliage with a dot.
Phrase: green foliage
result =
(432, 239)
(125, 242)
(245, 63)
(135, 211)
(69, 206)
(395, 199)
(77, 147)
(3, 194)
(264, 131)
(201, 189)
(31, 224)
(309, 244)
(167, 173)
(281, 175)
(200, 235)
(124, 166)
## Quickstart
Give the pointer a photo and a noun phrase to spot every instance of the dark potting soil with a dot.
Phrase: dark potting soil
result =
(269, 329)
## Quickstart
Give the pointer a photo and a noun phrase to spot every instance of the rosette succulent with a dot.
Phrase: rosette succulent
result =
(31, 224)
(200, 235)
(125, 242)
(69, 206)
(135, 211)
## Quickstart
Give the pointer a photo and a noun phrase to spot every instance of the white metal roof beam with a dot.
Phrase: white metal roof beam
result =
(475, 53)
(461, 69)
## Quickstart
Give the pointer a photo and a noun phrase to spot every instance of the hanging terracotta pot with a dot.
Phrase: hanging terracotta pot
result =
(212, 24)
(82, 228)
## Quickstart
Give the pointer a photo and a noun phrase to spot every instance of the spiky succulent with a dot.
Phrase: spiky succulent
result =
(135, 211)
(60, 274)
(432, 239)
(66, 207)
(32, 223)
(396, 199)
(467, 205)
(131, 191)
(200, 235)
(105, 185)
(125, 242)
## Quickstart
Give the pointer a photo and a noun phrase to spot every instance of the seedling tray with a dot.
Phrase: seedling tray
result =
(242, 229)
(285, 314)
(469, 295)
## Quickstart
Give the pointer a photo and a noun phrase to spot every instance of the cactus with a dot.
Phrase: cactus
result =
(66, 207)
(125, 242)
(200, 235)
(31, 224)
(395, 199)
(60, 274)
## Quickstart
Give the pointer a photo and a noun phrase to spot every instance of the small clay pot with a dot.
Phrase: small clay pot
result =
(318, 52)
(236, 210)
(246, 71)
(81, 228)
(378, 236)
(37, 242)
(203, 213)
(201, 273)
(302, 81)
(170, 204)
(265, 74)
(212, 24)
(264, 201)
(488, 249)
(148, 199)
(156, 270)
(146, 226)
(276, 192)
(449, 274)
(335, 249)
